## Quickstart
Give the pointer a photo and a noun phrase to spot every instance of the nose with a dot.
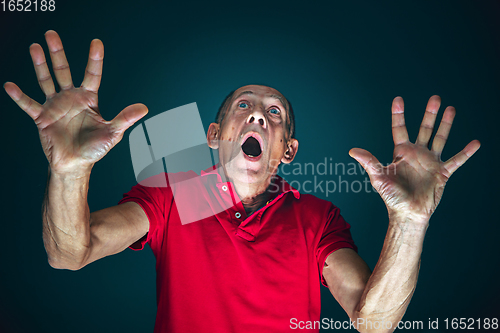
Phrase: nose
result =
(257, 117)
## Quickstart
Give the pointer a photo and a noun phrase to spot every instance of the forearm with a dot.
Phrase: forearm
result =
(66, 219)
(392, 283)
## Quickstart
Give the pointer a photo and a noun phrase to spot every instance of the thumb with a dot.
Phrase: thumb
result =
(369, 162)
(129, 116)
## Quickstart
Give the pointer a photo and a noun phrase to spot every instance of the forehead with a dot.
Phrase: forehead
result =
(260, 91)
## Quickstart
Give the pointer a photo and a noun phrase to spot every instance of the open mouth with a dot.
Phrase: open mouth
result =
(251, 147)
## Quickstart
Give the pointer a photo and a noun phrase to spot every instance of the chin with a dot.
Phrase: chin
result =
(247, 171)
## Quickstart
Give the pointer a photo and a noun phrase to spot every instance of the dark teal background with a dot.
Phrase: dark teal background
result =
(340, 63)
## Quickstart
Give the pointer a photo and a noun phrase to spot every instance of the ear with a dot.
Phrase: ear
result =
(213, 135)
(289, 155)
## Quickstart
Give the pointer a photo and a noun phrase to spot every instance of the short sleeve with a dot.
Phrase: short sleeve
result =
(153, 201)
(336, 235)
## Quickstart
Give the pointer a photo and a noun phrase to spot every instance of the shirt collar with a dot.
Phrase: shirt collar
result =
(213, 170)
(282, 184)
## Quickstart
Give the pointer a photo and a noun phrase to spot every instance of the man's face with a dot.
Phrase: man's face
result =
(254, 134)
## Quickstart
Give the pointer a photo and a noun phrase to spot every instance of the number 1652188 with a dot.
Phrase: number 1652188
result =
(28, 5)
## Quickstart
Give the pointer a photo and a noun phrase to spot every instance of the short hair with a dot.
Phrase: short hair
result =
(224, 107)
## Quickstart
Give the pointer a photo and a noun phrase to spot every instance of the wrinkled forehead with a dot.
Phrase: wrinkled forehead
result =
(262, 92)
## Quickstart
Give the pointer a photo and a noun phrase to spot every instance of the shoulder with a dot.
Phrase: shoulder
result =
(161, 185)
(312, 202)
(313, 208)
(163, 179)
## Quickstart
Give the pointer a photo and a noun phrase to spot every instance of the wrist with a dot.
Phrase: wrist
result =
(81, 173)
(409, 218)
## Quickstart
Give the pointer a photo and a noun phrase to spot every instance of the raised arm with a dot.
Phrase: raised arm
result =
(411, 187)
(74, 137)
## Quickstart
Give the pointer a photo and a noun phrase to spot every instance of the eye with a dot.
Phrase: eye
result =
(274, 111)
(243, 105)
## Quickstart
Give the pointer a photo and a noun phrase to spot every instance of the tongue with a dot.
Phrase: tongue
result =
(251, 147)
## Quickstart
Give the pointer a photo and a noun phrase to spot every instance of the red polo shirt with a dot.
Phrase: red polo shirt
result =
(230, 272)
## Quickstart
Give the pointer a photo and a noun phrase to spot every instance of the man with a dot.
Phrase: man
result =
(257, 265)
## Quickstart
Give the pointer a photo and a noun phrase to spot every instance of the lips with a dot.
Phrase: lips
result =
(252, 145)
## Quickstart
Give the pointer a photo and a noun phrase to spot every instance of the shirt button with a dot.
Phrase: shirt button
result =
(224, 188)
(237, 215)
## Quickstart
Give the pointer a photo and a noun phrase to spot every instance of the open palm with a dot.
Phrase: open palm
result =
(414, 182)
(72, 132)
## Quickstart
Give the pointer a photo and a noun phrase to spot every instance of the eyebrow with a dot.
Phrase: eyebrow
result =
(275, 96)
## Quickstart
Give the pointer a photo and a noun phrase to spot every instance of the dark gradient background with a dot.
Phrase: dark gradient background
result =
(340, 64)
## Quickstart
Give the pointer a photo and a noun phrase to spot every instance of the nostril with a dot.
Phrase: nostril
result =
(261, 121)
(251, 119)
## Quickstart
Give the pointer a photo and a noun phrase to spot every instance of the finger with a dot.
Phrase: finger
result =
(129, 116)
(427, 126)
(93, 72)
(459, 159)
(399, 132)
(31, 107)
(369, 162)
(42, 70)
(443, 130)
(59, 61)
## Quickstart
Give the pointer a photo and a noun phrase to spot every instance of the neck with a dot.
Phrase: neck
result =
(254, 203)
(253, 196)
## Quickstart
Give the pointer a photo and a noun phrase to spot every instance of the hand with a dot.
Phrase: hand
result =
(412, 185)
(73, 134)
